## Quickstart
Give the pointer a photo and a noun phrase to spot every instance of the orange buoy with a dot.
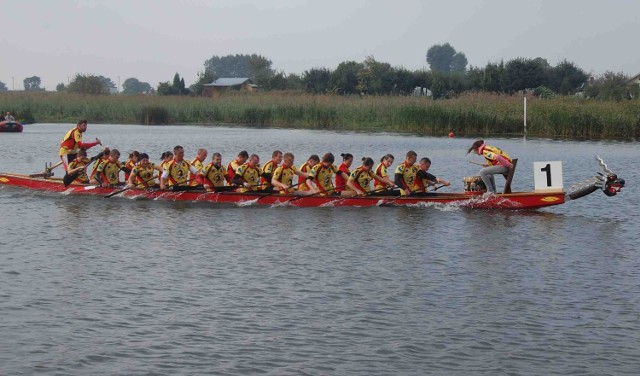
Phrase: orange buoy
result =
(450, 134)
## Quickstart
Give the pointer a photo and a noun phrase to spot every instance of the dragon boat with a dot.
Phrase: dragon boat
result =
(472, 197)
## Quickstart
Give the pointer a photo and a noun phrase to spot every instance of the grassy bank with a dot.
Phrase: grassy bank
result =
(474, 114)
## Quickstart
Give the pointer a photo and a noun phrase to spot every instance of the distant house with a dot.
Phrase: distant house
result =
(634, 80)
(226, 84)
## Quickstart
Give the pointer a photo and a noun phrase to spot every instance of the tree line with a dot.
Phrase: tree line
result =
(447, 77)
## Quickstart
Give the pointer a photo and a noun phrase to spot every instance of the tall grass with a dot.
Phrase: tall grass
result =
(472, 114)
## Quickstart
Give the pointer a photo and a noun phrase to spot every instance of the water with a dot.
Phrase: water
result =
(131, 287)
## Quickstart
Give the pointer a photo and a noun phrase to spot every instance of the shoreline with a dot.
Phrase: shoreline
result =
(471, 115)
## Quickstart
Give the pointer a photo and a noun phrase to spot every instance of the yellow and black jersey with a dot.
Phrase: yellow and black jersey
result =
(381, 171)
(285, 176)
(405, 176)
(214, 175)
(144, 176)
(247, 174)
(323, 177)
(361, 178)
(82, 174)
(110, 172)
(177, 173)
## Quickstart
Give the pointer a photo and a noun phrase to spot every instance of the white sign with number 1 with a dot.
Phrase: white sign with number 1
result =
(547, 175)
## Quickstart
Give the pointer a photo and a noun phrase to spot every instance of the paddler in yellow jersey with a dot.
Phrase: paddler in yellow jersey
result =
(108, 172)
(405, 173)
(381, 172)
(424, 179)
(98, 162)
(143, 174)
(130, 164)
(213, 174)
(498, 162)
(247, 176)
(321, 175)
(306, 168)
(198, 163)
(233, 166)
(176, 173)
(72, 142)
(266, 172)
(359, 180)
(80, 161)
(283, 177)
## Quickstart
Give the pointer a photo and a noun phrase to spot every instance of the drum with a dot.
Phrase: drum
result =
(474, 184)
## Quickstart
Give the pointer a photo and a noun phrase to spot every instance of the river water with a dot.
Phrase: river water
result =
(94, 286)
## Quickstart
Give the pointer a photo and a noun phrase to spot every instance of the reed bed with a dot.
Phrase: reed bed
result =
(471, 114)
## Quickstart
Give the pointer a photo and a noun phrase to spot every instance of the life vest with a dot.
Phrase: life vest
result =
(69, 141)
(489, 153)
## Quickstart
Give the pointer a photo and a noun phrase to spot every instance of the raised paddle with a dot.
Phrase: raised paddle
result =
(476, 163)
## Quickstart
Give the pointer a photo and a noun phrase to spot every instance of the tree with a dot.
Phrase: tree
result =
(134, 86)
(375, 77)
(32, 83)
(176, 88)
(3, 87)
(316, 80)
(444, 58)
(565, 78)
(612, 86)
(345, 78)
(60, 87)
(88, 84)
(523, 74)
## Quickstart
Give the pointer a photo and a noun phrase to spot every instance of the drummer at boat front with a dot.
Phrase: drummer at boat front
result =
(72, 142)
(498, 162)
(177, 171)
(424, 179)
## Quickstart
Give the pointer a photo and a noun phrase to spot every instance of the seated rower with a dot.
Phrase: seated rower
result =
(176, 172)
(213, 173)
(306, 168)
(283, 177)
(266, 172)
(381, 172)
(247, 176)
(424, 179)
(198, 163)
(341, 183)
(321, 175)
(405, 173)
(80, 165)
(143, 173)
(360, 179)
(130, 164)
(165, 158)
(98, 162)
(108, 172)
(241, 159)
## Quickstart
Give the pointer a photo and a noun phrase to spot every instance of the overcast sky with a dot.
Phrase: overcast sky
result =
(151, 40)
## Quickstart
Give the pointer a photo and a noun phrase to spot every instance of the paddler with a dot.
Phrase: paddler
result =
(283, 177)
(80, 162)
(266, 172)
(321, 175)
(108, 172)
(143, 173)
(498, 162)
(213, 173)
(176, 173)
(247, 176)
(424, 179)
(360, 179)
(240, 159)
(72, 142)
(130, 164)
(198, 163)
(341, 183)
(306, 168)
(405, 173)
(381, 172)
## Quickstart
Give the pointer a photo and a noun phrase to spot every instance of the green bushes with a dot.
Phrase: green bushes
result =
(471, 114)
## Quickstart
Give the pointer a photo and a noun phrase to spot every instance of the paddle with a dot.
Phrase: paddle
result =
(316, 194)
(418, 191)
(476, 163)
(127, 188)
(72, 175)
(275, 191)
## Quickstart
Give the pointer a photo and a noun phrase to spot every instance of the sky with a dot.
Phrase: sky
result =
(152, 40)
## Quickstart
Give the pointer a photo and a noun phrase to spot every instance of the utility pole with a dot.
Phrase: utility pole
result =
(13, 84)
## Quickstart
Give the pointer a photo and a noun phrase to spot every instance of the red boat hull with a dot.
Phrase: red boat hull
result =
(513, 201)
(10, 126)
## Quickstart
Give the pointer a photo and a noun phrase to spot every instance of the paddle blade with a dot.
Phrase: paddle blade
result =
(69, 178)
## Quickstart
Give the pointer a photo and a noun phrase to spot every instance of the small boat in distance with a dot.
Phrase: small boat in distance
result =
(10, 126)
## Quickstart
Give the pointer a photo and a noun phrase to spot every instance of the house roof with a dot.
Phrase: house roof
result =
(229, 82)
(637, 76)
